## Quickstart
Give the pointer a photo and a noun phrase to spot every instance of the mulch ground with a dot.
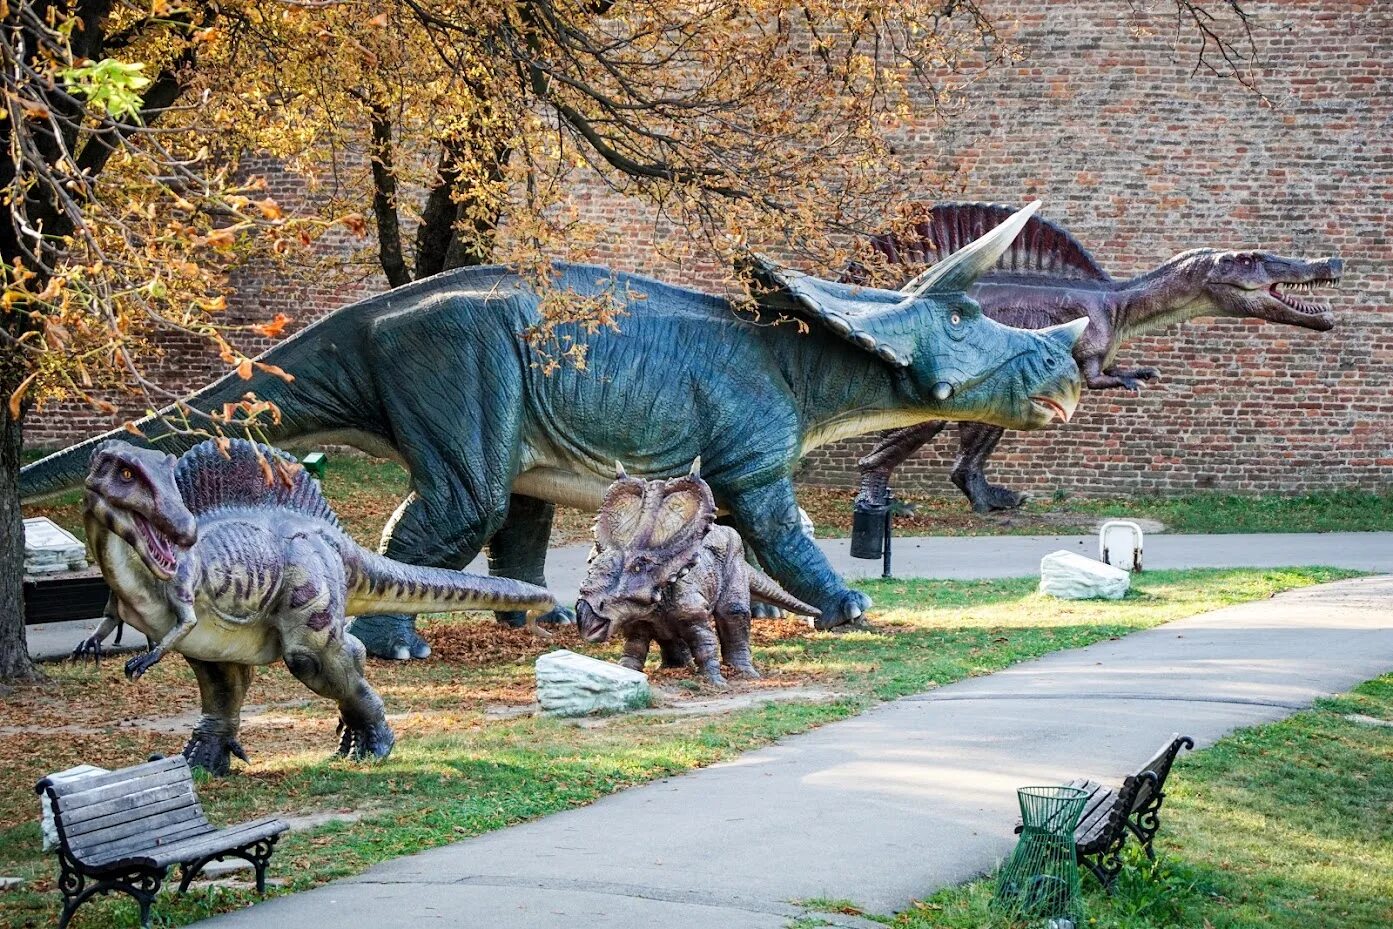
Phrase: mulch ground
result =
(92, 714)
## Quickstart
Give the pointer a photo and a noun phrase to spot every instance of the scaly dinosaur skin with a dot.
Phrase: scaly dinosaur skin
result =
(662, 570)
(207, 559)
(1048, 278)
(438, 375)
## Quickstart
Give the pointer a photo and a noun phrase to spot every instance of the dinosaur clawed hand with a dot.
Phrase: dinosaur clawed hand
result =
(1132, 379)
(212, 752)
(372, 740)
(90, 647)
(138, 665)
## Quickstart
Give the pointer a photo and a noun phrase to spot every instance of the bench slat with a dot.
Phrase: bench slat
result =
(198, 846)
(1160, 765)
(134, 773)
(72, 803)
(151, 829)
(232, 837)
(1102, 826)
(132, 806)
(138, 847)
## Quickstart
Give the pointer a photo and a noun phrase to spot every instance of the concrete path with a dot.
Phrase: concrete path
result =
(957, 557)
(891, 805)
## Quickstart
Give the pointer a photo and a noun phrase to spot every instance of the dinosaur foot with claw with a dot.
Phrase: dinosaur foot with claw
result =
(365, 741)
(849, 609)
(213, 751)
(392, 636)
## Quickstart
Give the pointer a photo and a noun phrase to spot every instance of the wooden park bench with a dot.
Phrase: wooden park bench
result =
(123, 830)
(1109, 815)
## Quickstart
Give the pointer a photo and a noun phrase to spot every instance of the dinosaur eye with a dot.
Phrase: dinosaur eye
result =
(955, 319)
(127, 474)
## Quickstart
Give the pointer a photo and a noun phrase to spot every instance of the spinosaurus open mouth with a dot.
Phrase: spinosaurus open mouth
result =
(156, 543)
(1284, 292)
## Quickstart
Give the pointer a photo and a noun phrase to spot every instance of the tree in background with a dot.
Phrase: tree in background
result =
(458, 127)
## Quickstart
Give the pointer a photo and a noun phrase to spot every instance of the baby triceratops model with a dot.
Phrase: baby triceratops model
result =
(208, 559)
(1046, 278)
(661, 570)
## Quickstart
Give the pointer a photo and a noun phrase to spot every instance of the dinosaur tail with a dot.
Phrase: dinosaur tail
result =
(323, 388)
(767, 589)
(380, 585)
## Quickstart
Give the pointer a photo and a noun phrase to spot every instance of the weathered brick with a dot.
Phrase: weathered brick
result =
(1140, 158)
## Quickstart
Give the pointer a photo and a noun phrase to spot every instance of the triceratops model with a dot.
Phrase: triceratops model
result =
(440, 375)
(208, 559)
(1047, 278)
(662, 570)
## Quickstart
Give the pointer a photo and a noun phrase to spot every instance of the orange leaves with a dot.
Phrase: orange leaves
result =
(269, 208)
(17, 398)
(275, 328)
(220, 238)
(244, 369)
(355, 224)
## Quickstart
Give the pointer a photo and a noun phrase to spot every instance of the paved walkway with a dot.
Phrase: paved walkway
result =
(891, 805)
(957, 557)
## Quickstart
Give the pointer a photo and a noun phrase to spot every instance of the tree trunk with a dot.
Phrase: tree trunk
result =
(14, 650)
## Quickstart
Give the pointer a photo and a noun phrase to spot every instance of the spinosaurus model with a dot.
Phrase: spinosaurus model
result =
(662, 570)
(1047, 278)
(203, 555)
(439, 375)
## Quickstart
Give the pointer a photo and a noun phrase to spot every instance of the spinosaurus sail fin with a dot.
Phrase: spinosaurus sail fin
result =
(209, 480)
(1043, 248)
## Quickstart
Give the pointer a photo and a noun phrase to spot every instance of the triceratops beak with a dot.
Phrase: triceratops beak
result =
(958, 271)
(1066, 334)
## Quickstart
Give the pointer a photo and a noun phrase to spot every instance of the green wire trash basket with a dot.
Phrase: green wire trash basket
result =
(1040, 882)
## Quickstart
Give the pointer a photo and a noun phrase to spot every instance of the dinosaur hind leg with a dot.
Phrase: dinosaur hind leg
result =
(889, 453)
(977, 441)
(335, 669)
(733, 631)
(222, 686)
(519, 550)
(325, 657)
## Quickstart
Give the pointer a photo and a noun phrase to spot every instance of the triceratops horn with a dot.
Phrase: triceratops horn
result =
(619, 472)
(1066, 333)
(696, 467)
(959, 270)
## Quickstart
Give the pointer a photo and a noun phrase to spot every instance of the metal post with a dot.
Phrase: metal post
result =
(889, 522)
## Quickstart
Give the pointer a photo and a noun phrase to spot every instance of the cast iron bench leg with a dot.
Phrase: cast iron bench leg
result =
(142, 885)
(258, 854)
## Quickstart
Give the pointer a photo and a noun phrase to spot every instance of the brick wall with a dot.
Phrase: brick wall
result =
(1140, 158)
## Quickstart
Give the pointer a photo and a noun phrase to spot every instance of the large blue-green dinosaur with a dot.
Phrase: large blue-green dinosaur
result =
(438, 375)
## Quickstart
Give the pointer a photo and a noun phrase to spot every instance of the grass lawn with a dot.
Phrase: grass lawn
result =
(1282, 826)
(466, 762)
(365, 492)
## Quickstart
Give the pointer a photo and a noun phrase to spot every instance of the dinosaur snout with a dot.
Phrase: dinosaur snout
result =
(591, 625)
